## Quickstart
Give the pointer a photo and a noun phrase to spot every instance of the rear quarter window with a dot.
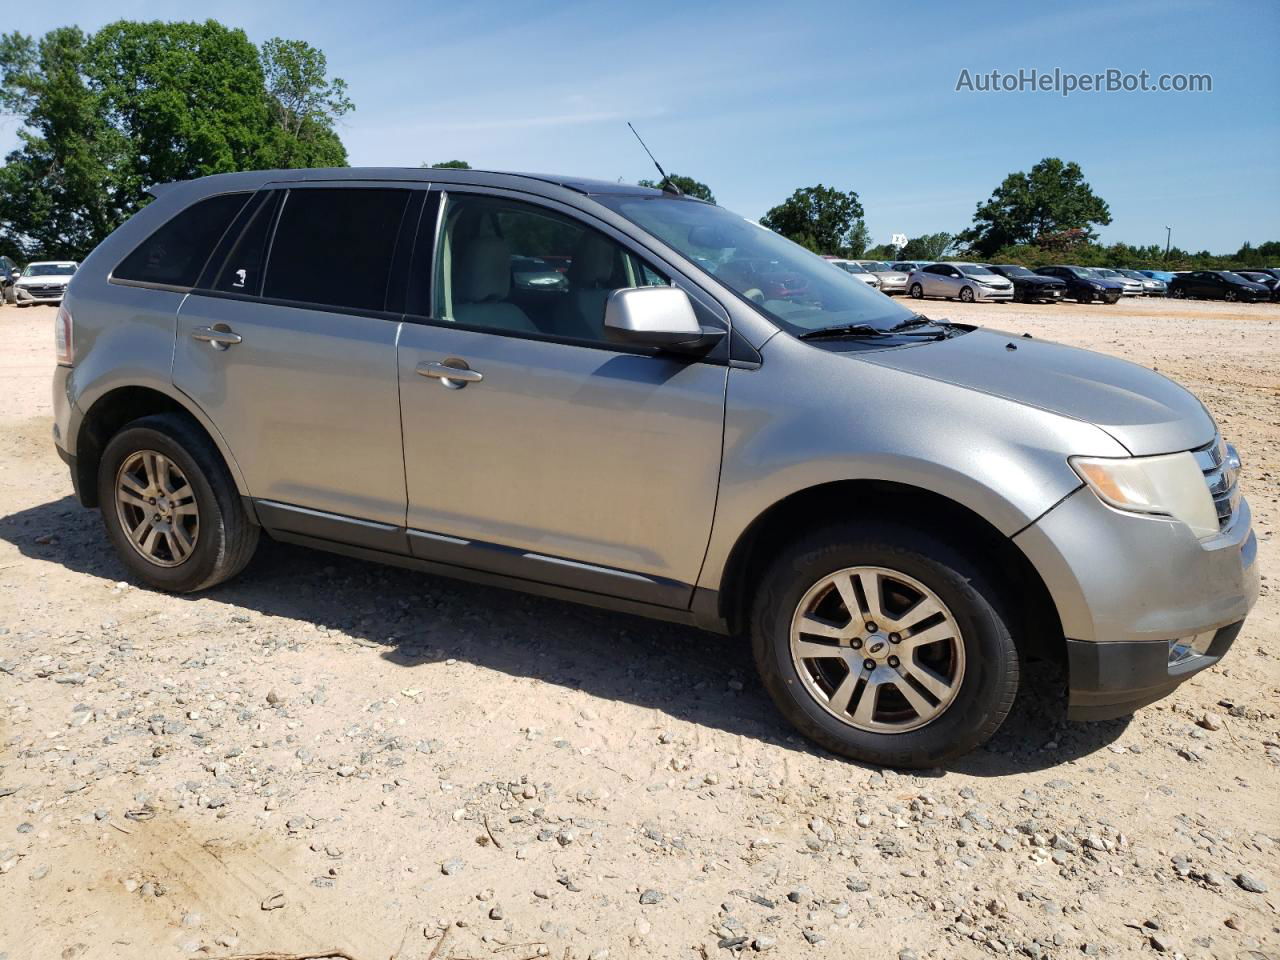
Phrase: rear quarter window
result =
(175, 254)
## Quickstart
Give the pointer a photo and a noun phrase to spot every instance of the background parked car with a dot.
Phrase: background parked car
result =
(1264, 277)
(1151, 287)
(1164, 276)
(1130, 287)
(959, 281)
(858, 270)
(44, 281)
(1218, 285)
(911, 266)
(9, 272)
(1029, 287)
(891, 281)
(1082, 285)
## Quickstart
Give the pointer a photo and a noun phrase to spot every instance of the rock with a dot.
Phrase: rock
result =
(1250, 884)
(906, 953)
(1159, 942)
(813, 936)
(1210, 721)
(763, 944)
(452, 866)
(495, 912)
(652, 896)
(273, 697)
(40, 872)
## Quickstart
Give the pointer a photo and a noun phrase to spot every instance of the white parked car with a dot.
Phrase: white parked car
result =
(858, 270)
(44, 281)
(891, 280)
(959, 281)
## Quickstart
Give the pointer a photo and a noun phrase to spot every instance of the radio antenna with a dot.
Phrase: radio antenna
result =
(667, 185)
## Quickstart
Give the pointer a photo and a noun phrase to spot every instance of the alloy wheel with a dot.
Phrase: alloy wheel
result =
(966, 295)
(877, 649)
(157, 508)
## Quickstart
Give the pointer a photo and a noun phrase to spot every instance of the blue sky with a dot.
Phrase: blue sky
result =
(758, 99)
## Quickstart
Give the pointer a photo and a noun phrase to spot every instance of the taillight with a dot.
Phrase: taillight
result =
(63, 342)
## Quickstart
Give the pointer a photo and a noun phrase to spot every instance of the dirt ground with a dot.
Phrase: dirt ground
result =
(326, 753)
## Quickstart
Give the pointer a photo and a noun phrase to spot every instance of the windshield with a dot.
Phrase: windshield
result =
(851, 267)
(875, 266)
(973, 270)
(48, 269)
(1012, 271)
(794, 288)
(1228, 275)
(1104, 272)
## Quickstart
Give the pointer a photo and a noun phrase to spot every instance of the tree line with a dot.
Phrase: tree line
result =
(1036, 217)
(105, 115)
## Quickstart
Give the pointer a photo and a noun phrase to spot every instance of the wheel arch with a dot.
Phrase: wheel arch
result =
(122, 405)
(1039, 628)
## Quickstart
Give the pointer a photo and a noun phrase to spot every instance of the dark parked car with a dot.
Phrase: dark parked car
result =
(1082, 285)
(1029, 287)
(8, 274)
(1217, 285)
(1267, 278)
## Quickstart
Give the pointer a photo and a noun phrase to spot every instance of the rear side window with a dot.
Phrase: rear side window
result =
(243, 266)
(175, 253)
(333, 247)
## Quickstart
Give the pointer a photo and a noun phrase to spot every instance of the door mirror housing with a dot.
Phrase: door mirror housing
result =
(660, 317)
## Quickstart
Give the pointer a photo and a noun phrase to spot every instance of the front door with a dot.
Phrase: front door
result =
(293, 358)
(553, 455)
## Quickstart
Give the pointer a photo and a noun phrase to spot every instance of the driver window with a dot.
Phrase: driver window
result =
(508, 266)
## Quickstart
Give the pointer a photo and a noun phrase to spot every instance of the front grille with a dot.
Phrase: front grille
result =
(45, 290)
(1221, 466)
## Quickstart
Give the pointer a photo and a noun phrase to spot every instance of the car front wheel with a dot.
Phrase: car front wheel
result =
(917, 292)
(966, 295)
(170, 507)
(884, 645)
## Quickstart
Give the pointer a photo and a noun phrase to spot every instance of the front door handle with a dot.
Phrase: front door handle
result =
(219, 336)
(452, 373)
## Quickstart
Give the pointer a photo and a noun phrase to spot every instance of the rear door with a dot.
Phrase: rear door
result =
(561, 458)
(289, 346)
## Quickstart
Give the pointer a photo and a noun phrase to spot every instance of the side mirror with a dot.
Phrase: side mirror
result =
(660, 317)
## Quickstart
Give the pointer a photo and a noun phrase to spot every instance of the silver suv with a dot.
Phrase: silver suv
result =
(896, 510)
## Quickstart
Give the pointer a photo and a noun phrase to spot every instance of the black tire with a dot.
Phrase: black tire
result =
(990, 682)
(227, 537)
(1178, 293)
(916, 292)
(966, 295)
(1231, 296)
(1084, 296)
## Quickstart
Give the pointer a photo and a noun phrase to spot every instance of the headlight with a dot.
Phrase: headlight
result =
(1097, 286)
(1170, 485)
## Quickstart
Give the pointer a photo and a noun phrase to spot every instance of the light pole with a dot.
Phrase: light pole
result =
(1168, 235)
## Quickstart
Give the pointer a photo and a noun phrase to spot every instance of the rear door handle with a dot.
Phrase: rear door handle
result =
(452, 373)
(219, 336)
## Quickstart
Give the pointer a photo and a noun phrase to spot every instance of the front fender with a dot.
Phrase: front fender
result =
(808, 417)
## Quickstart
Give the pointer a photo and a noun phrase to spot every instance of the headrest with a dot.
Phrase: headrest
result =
(592, 262)
(482, 270)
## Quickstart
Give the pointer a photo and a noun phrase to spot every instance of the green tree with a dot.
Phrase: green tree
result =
(821, 218)
(449, 165)
(927, 246)
(104, 116)
(1052, 198)
(686, 185)
(304, 104)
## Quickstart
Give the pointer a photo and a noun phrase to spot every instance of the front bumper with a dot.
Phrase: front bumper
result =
(50, 294)
(985, 293)
(1110, 680)
(1125, 585)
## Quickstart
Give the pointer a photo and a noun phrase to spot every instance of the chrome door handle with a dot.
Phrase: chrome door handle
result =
(219, 337)
(452, 373)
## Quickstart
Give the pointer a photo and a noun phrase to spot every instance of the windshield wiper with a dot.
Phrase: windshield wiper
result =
(917, 320)
(847, 330)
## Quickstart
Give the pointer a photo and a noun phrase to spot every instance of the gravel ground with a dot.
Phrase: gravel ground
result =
(327, 753)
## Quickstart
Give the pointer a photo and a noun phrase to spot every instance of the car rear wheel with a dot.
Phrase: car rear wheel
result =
(917, 292)
(885, 645)
(170, 506)
(1178, 293)
(1231, 296)
(966, 294)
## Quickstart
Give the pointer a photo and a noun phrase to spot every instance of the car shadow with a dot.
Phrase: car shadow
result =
(414, 618)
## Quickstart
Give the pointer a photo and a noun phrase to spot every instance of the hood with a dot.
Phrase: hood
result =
(43, 280)
(1147, 413)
